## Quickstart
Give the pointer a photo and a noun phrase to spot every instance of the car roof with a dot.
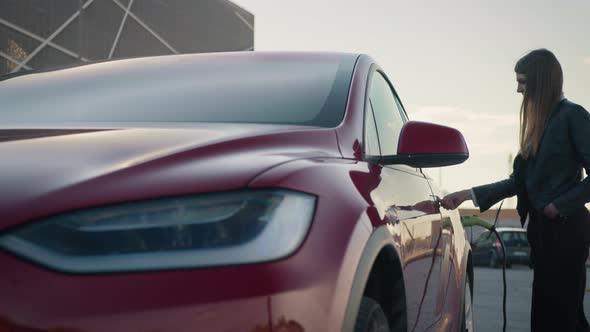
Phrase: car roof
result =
(157, 84)
(172, 62)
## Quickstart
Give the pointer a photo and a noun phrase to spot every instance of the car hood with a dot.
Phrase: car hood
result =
(49, 171)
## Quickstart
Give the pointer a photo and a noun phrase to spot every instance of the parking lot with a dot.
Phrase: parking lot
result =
(488, 299)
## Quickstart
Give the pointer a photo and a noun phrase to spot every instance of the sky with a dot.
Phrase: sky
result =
(451, 62)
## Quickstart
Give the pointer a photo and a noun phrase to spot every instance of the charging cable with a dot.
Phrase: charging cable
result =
(477, 221)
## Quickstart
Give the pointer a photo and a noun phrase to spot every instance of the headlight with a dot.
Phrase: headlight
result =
(190, 231)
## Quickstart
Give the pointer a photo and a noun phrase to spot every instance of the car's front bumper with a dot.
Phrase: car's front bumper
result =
(243, 298)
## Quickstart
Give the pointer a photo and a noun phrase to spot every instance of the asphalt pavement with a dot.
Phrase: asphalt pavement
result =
(487, 300)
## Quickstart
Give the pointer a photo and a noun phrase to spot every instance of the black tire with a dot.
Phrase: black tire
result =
(371, 317)
(467, 310)
(399, 319)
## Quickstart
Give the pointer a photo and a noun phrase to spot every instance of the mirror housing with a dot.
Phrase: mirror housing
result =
(423, 144)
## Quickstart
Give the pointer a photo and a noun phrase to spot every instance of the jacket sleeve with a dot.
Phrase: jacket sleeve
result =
(579, 131)
(490, 194)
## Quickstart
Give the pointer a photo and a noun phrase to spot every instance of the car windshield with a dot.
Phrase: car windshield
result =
(514, 238)
(254, 89)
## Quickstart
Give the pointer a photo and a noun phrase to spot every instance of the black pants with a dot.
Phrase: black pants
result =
(559, 249)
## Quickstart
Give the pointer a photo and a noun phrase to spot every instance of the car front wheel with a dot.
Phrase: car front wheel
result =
(371, 317)
(467, 317)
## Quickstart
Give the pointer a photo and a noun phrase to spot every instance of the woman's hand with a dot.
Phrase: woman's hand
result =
(551, 211)
(452, 201)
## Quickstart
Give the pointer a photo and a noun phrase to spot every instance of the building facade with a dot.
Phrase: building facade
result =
(41, 34)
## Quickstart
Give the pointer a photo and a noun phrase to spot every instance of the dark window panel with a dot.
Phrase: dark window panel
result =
(136, 41)
(93, 35)
(15, 45)
(196, 26)
(70, 38)
(189, 26)
(247, 15)
(242, 32)
(49, 57)
(41, 17)
(100, 25)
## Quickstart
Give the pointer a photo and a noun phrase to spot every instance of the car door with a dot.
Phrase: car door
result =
(446, 260)
(404, 196)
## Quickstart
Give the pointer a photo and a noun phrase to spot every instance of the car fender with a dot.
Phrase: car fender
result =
(379, 239)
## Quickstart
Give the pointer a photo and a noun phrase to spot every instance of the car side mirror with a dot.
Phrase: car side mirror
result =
(423, 144)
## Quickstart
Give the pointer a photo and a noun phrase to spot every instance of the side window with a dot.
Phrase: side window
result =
(371, 138)
(387, 115)
(401, 109)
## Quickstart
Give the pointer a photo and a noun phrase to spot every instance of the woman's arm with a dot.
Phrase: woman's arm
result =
(483, 196)
(452, 201)
(490, 194)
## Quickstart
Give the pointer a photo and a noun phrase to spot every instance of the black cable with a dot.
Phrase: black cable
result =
(493, 229)
(427, 282)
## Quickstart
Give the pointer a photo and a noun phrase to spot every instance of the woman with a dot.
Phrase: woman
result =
(547, 179)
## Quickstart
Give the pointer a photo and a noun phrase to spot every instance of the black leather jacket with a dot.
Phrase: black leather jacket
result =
(555, 174)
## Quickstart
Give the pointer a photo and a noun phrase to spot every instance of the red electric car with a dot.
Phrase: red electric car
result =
(225, 192)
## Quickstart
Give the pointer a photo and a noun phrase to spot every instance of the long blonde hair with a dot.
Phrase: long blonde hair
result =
(543, 91)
